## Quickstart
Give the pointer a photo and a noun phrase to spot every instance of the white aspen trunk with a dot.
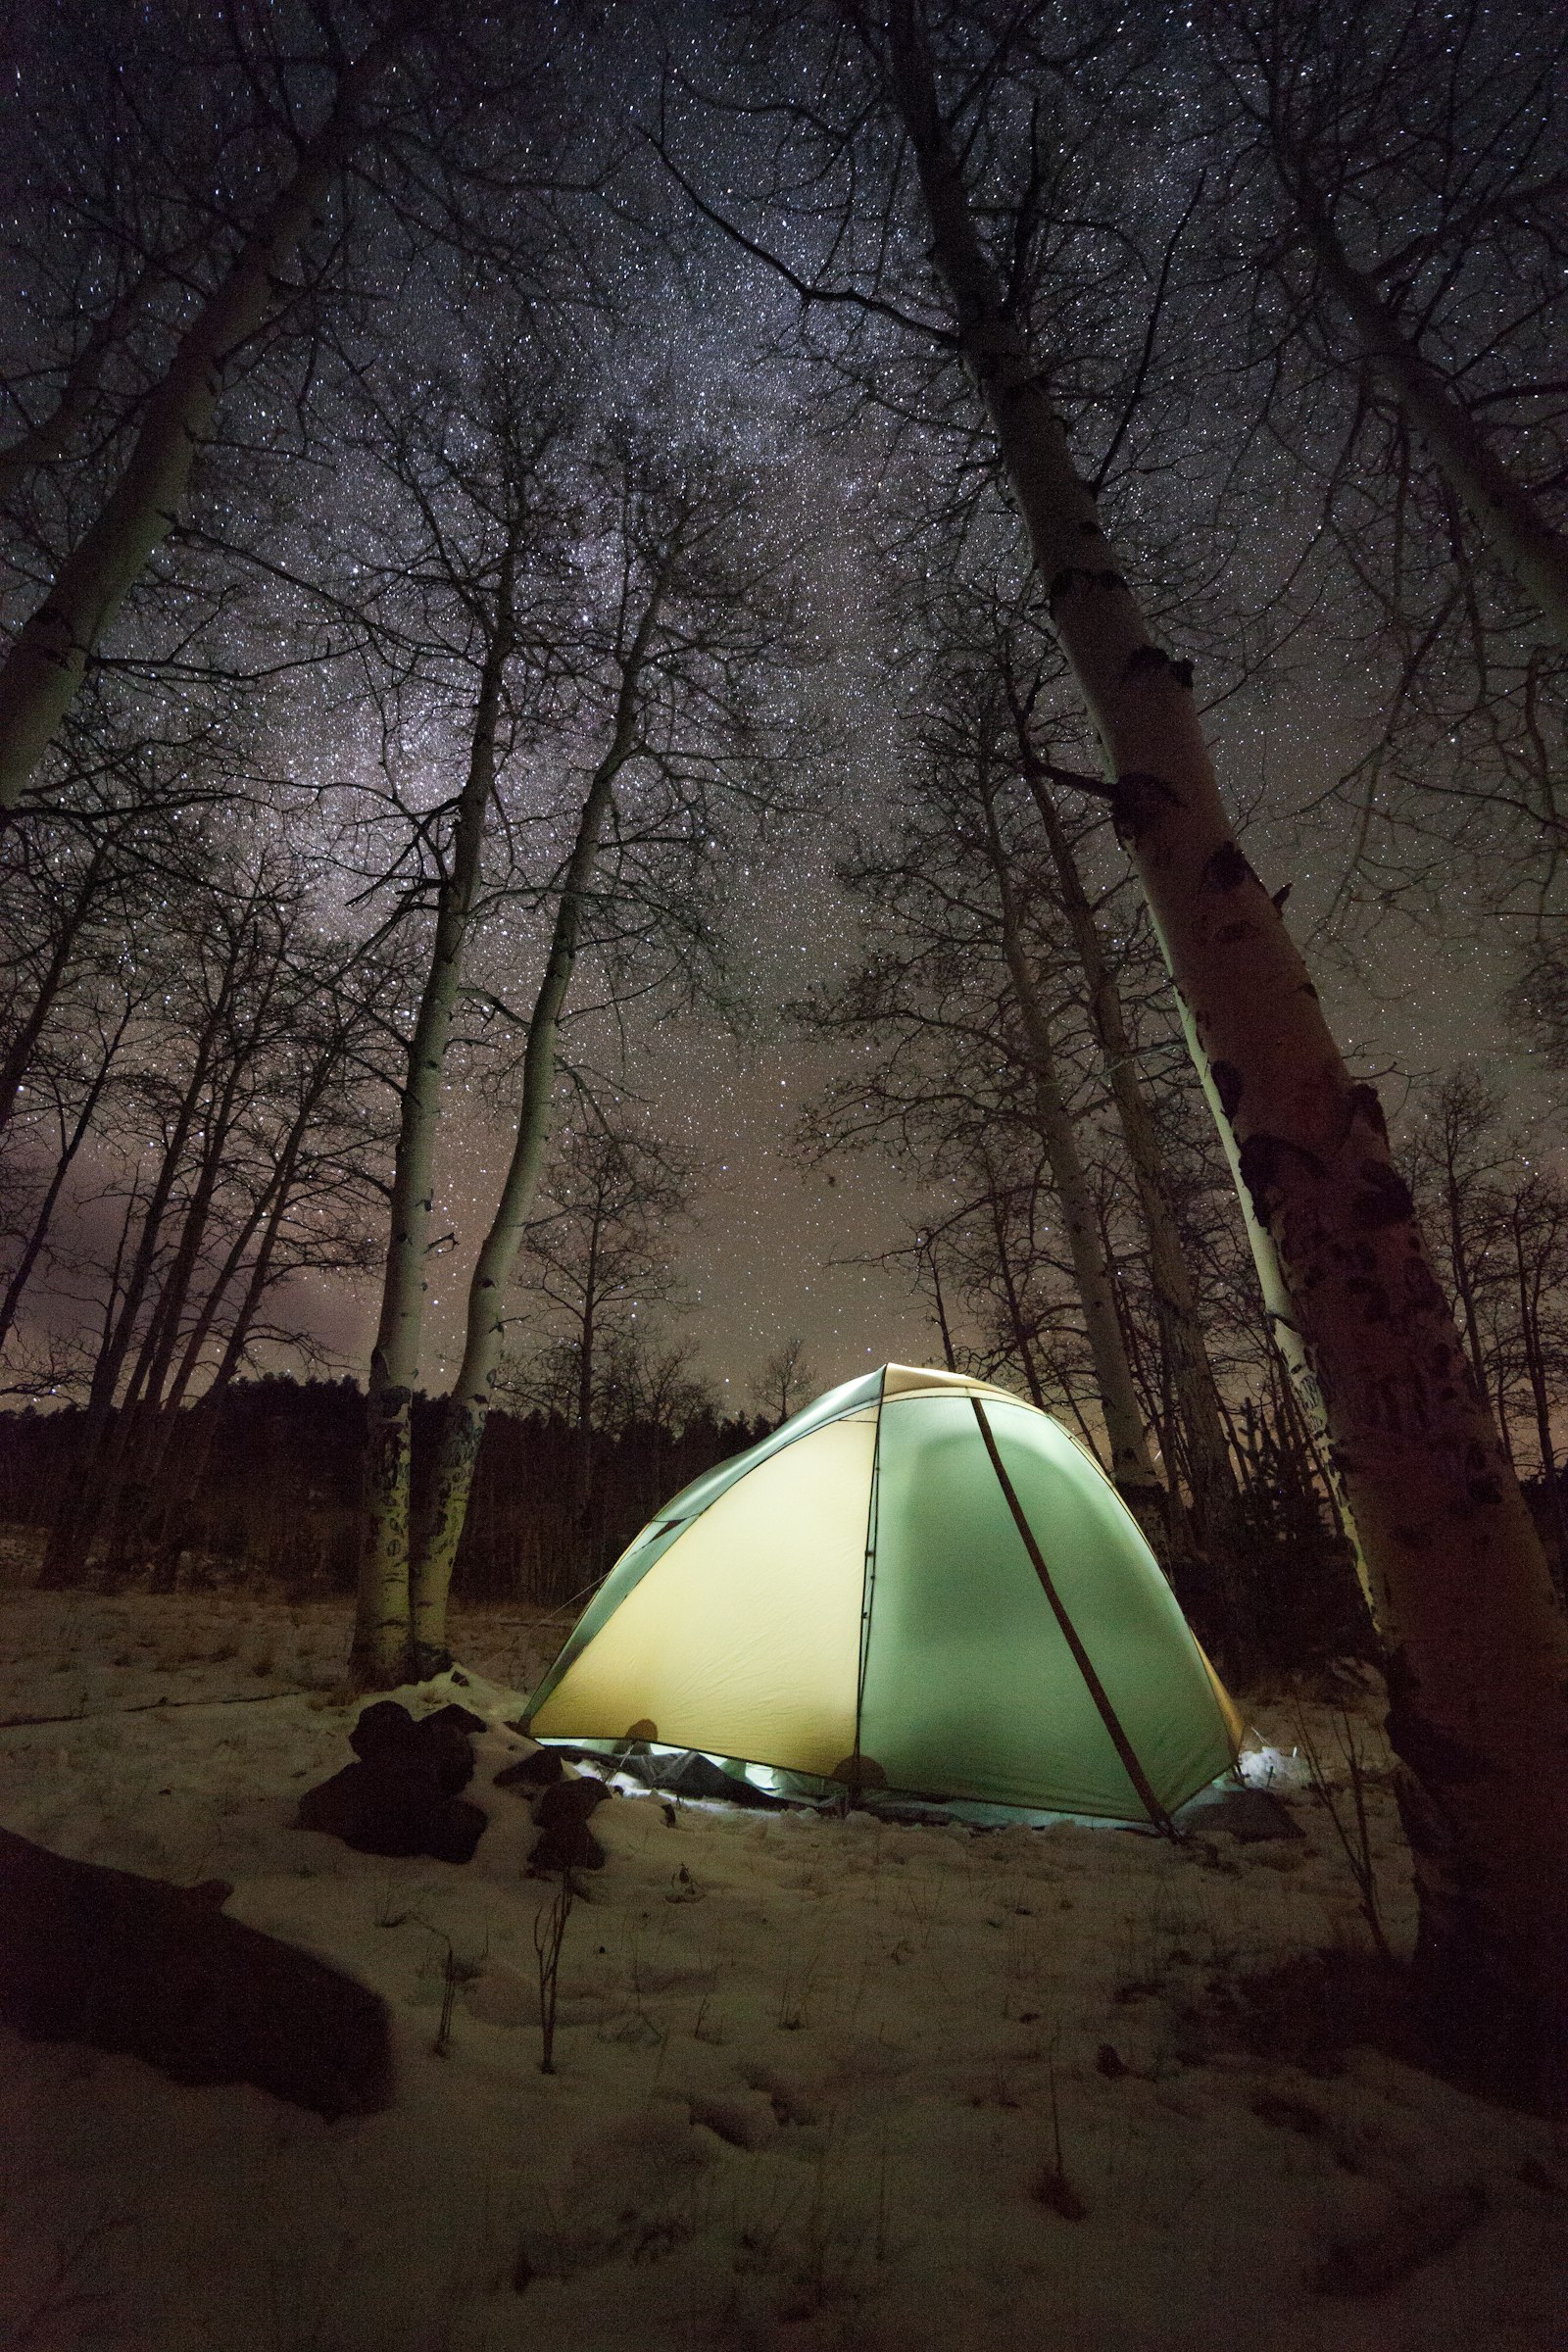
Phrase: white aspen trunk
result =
(1477, 1649)
(1279, 1311)
(1509, 519)
(44, 667)
(1009, 1292)
(1132, 1467)
(379, 1658)
(45, 442)
(467, 1406)
(1192, 1376)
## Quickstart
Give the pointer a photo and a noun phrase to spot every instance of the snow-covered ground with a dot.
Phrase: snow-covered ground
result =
(814, 2074)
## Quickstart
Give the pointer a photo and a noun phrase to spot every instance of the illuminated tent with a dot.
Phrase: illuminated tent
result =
(920, 1583)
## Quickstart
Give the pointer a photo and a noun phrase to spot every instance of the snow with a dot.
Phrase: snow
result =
(811, 2071)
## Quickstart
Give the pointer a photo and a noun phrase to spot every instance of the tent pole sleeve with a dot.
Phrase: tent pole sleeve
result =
(1095, 1688)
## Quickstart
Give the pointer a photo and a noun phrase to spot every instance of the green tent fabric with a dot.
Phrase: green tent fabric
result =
(922, 1583)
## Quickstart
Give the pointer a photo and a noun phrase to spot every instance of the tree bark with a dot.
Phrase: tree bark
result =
(1477, 1650)
(1511, 524)
(1210, 1470)
(45, 665)
(47, 440)
(1132, 1468)
(463, 1417)
(380, 1657)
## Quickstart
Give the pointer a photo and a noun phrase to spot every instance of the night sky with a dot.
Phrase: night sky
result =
(713, 343)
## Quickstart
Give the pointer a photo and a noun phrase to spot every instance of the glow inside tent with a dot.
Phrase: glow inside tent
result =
(920, 1583)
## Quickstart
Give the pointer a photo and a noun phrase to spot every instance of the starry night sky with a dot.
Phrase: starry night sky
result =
(714, 344)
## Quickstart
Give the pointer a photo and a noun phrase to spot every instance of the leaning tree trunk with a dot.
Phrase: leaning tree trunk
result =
(1132, 1469)
(45, 665)
(178, 1514)
(75, 1529)
(1022, 1345)
(50, 439)
(1181, 1331)
(1505, 513)
(69, 1146)
(1477, 1649)
(30, 1028)
(381, 1656)
(467, 1409)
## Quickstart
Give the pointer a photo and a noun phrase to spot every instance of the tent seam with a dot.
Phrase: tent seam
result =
(869, 1574)
(1109, 1716)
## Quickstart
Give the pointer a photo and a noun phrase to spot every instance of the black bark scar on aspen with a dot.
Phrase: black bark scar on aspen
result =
(1228, 1085)
(1151, 659)
(1135, 801)
(1372, 1298)
(1384, 1198)
(1281, 895)
(1261, 1160)
(1424, 1294)
(1363, 1104)
(1226, 868)
(1073, 576)
(1482, 1485)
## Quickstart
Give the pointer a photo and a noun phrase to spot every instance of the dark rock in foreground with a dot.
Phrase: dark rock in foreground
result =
(156, 1972)
(402, 1797)
(565, 1840)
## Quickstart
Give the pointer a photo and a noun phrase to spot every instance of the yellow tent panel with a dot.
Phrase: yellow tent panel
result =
(744, 1638)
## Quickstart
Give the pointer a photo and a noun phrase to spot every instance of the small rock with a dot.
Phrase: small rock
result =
(566, 1846)
(568, 1800)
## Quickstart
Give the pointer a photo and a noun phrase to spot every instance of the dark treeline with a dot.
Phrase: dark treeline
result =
(263, 1482)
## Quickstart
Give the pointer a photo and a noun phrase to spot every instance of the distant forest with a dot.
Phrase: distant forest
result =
(266, 1482)
(262, 1483)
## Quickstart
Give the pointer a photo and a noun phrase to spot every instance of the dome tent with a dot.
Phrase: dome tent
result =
(918, 1582)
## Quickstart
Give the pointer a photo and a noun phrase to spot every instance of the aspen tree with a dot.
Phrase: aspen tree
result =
(1476, 1645)
(381, 1658)
(1131, 1466)
(47, 660)
(703, 622)
(465, 1413)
